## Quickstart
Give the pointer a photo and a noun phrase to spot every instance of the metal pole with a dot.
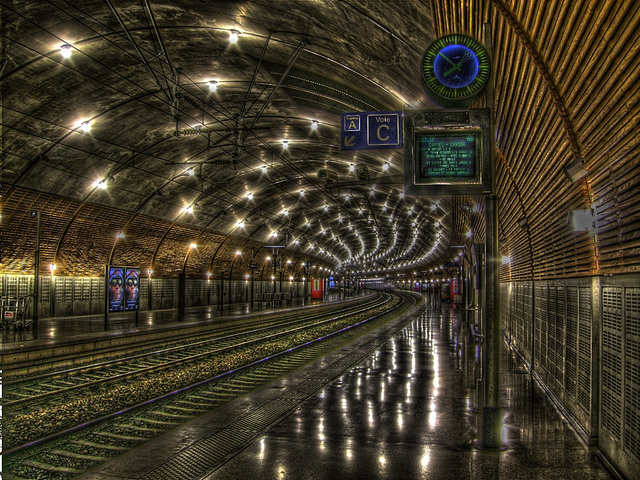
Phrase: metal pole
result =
(252, 296)
(491, 415)
(221, 291)
(275, 264)
(36, 276)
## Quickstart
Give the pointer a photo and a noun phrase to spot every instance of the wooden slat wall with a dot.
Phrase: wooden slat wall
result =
(573, 91)
(86, 244)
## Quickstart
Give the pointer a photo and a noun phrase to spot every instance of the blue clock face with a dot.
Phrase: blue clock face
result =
(455, 70)
(456, 66)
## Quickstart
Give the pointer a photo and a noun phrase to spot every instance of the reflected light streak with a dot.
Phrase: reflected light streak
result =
(348, 452)
(262, 448)
(424, 461)
(370, 412)
(432, 419)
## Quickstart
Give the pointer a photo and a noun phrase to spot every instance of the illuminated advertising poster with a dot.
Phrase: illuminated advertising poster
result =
(455, 287)
(116, 289)
(132, 289)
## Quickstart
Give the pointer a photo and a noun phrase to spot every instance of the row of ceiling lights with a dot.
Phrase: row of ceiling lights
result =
(85, 126)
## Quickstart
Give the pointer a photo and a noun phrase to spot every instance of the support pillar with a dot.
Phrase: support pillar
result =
(182, 290)
(491, 415)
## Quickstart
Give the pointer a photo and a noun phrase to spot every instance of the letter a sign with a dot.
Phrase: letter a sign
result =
(371, 130)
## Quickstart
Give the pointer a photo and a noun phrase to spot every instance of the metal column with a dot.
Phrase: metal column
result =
(491, 415)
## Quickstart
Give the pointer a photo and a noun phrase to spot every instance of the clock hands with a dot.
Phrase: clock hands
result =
(443, 56)
(456, 66)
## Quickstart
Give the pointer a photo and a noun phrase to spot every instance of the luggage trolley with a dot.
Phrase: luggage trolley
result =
(13, 312)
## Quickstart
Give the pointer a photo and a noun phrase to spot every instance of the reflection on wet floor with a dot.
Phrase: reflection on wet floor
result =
(407, 411)
(63, 327)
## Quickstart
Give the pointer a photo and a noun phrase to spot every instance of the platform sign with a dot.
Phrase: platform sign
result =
(371, 130)
(447, 152)
(132, 289)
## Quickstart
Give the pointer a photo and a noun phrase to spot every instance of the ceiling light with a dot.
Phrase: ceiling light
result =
(86, 126)
(190, 171)
(193, 245)
(314, 125)
(302, 193)
(238, 252)
(65, 50)
(213, 85)
(102, 185)
(352, 167)
(506, 259)
(285, 144)
(249, 195)
(264, 169)
(385, 166)
(240, 224)
(233, 36)
(188, 209)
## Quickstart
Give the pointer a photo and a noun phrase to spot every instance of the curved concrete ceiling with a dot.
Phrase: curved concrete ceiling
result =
(182, 163)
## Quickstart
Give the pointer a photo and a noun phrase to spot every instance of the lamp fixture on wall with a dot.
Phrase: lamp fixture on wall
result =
(575, 170)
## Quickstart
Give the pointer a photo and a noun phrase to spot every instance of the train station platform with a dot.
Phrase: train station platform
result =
(49, 331)
(395, 404)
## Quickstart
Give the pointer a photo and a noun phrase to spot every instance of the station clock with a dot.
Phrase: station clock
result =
(455, 70)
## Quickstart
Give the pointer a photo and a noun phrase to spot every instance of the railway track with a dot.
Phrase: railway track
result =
(94, 352)
(71, 450)
(31, 392)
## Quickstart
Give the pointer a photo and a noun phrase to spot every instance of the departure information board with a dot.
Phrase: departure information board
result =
(446, 152)
(447, 155)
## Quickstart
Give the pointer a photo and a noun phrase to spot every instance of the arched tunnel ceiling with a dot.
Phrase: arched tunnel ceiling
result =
(183, 164)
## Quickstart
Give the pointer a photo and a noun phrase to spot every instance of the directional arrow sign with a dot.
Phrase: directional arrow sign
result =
(349, 140)
(371, 130)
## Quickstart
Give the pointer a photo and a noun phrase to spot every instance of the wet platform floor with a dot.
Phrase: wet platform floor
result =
(395, 404)
(52, 330)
